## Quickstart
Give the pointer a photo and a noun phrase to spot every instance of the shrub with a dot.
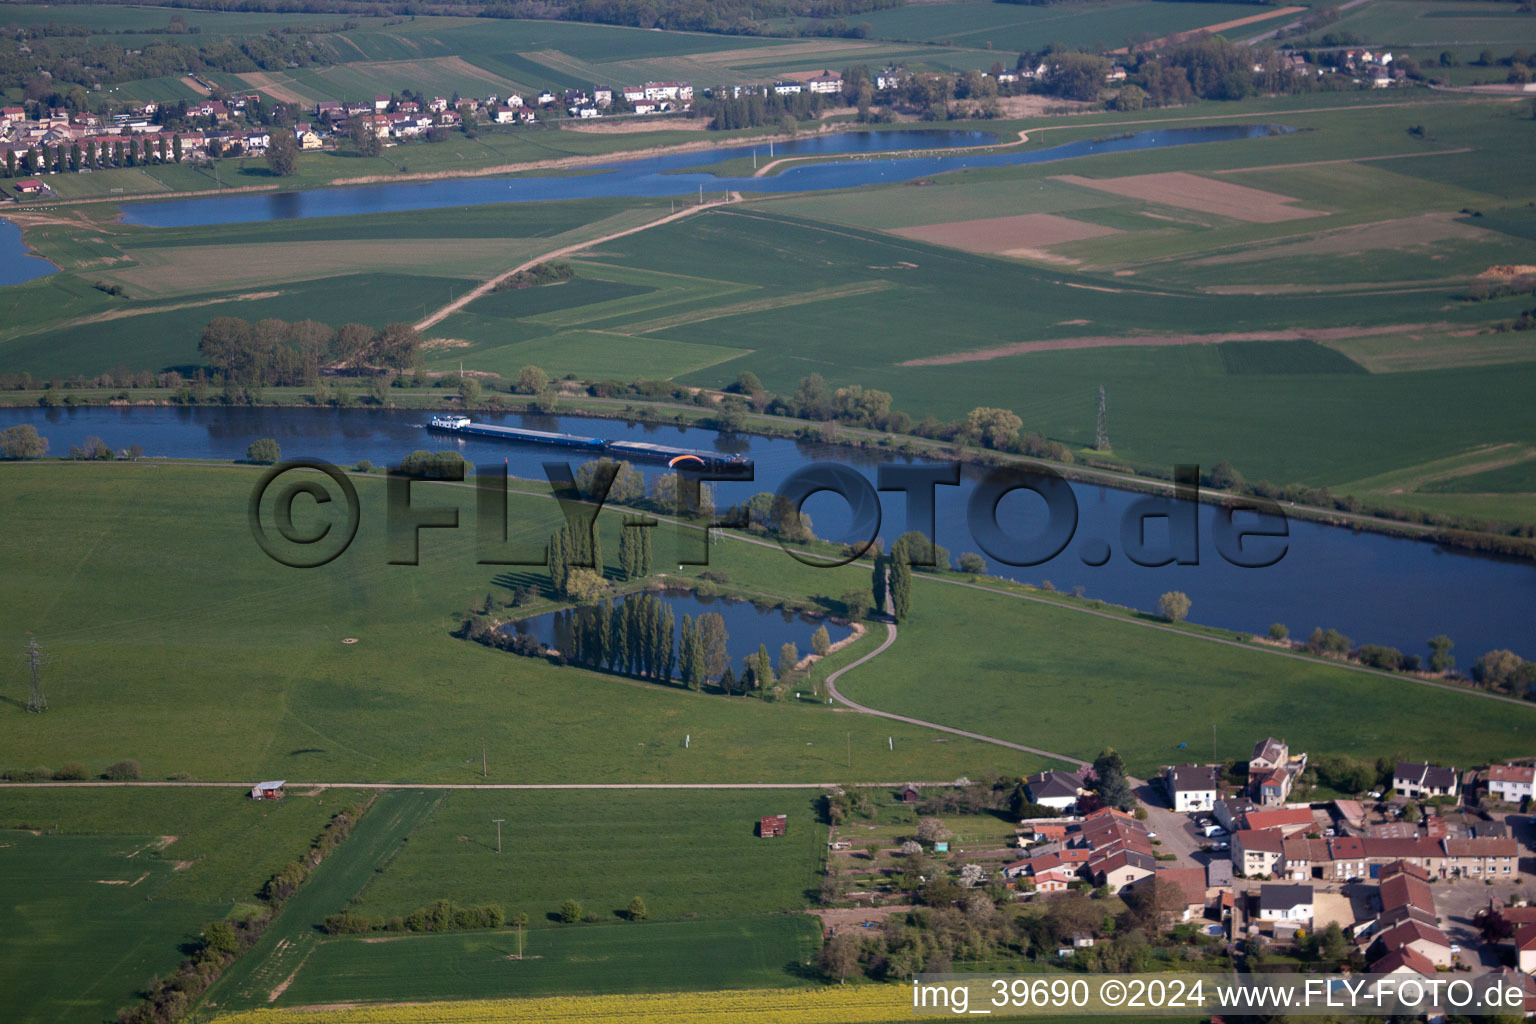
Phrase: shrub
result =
(263, 451)
(123, 771)
(70, 771)
(570, 911)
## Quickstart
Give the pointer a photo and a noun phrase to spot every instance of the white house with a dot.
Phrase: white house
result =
(826, 83)
(1422, 780)
(787, 88)
(1192, 787)
(1285, 903)
(1511, 782)
(1059, 790)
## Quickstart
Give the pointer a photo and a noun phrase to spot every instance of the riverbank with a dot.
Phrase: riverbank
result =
(1495, 538)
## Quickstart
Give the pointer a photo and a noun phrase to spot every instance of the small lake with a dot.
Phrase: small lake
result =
(664, 176)
(1374, 588)
(746, 624)
(17, 262)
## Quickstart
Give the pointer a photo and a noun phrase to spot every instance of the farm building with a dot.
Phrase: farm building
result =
(27, 186)
(773, 825)
(909, 794)
(268, 790)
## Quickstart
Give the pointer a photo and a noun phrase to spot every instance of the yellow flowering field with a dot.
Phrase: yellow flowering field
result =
(862, 1004)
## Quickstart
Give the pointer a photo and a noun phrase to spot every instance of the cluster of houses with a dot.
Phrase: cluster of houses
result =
(1297, 855)
(97, 137)
(1107, 848)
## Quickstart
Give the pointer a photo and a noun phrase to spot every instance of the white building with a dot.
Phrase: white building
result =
(1511, 782)
(1285, 903)
(1192, 787)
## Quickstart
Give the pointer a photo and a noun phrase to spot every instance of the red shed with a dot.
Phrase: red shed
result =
(773, 825)
(27, 186)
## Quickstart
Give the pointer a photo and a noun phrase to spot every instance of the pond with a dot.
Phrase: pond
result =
(746, 625)
(663, 176)
(1372, 587)
(17, 262)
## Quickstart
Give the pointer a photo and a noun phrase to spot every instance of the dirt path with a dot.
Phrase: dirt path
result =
(616, 786)
(1220, 26)
(1142, 340)
(565, 250)
(890, 638)
(896, 153)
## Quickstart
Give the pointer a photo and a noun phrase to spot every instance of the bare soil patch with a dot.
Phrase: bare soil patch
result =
(1021, 234)
(263, 82)
(981, 355)
(443, 343)
(627, 125)
(195, 85)
(854, 917)
(1193, 192)
(1039, 106)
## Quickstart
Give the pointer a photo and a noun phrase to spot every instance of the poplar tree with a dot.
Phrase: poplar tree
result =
(559, 562)
(666, 629)
(686, 661)
(900, 582)
(878, 581)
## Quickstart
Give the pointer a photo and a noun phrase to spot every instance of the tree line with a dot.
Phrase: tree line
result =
(276, 352)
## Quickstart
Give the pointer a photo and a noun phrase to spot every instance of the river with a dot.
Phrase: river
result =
(1374, 588)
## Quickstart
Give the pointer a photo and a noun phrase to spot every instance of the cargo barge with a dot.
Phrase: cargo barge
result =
(672, 456)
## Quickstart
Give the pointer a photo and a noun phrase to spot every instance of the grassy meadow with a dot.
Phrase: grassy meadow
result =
(244, 661)
(1087, 683)
(100, 886)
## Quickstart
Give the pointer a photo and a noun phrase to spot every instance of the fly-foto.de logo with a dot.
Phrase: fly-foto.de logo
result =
(1154, 530)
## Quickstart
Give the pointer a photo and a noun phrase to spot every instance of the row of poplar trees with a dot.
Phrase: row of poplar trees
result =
(892, 577)
(571, 548)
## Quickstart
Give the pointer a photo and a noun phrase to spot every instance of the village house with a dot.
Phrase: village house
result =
(380, 104)
(1423, 780)
(1256, 852)
(602, 95)
(1511, 783)
(1525, 948)
(787, 88)
(1190, 884)
(826, 83)
(1272, 771)
(1192, 787)
(1055, 789)
(1230, 812)
(1288, 820)
(1290, 903)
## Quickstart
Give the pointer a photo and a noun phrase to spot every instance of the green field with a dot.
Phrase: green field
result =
(105, 884)
(1425, 23)
(685, 853)
(250, 678)
(293, 934)
(1087, 683)
(728, 953)
(1095, 25)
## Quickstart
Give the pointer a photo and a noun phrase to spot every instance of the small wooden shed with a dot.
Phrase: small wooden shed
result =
(773, 825)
